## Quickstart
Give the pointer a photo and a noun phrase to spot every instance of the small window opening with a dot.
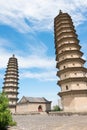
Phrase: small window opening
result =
(73, 64)
(66, 87)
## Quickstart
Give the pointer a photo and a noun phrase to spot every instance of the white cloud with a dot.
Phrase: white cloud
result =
(43, 76)
(39, 14)
(1, 76)
(37, 48)
(36, 57)
(44, 65)
(4, 52)
(36, 62)
(4, 43)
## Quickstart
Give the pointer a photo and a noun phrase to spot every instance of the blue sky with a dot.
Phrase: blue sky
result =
(26, 30)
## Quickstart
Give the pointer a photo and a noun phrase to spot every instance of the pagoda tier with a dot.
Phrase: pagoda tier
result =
(72, 74)
(67, 54)
(11, 83)
(72, 69)
(67, 46)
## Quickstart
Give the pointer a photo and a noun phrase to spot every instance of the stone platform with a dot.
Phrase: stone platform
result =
(50, 122)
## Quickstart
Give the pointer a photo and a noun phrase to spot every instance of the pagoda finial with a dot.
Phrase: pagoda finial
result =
(13, 56)
(60, 11)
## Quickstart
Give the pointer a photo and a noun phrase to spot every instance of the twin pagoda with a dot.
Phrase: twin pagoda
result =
(71, 71)
(11, 83)
(70, 64)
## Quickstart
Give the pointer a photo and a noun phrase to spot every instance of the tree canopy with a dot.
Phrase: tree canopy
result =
(56, 108)
(5, 114)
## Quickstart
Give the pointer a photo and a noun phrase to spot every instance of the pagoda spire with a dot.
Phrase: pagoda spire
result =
(11, 83)
(13, 55)
(60, 11)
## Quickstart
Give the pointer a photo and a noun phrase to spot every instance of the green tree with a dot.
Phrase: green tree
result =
(5, 114)
(56, 108)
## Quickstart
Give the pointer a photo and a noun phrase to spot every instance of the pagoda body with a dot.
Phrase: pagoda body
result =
(72, 74)
(11, 83)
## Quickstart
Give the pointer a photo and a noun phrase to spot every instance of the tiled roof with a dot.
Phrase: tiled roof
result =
(36, 99)
(33, 100)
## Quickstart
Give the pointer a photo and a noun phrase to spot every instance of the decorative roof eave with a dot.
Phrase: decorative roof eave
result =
(8, 70)
(69, 52)
(11, 77)
(35, 102)
(15, 82)
(12, 105)
(70, 60)
(13, 58)
(15, 65)
(73, 79)
(72, 92)
(67, 39)
(13, 99)
(15, 87)
(12, 68)
(42, 102)
(11, 92)
(65, 33)
(60, 27)
(61, 39)
(72, 69)
(19, 103)
(67, 45)
(16, 74)
(61, 15)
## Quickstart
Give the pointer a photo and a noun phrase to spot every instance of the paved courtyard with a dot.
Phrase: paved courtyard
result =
(49, 122)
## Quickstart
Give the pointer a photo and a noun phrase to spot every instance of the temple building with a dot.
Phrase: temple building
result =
(70, 64)
(11, 83)
(26, 104)
(33, 104)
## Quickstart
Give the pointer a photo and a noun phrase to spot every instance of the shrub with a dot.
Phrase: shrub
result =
(5, 114)
(56, 108)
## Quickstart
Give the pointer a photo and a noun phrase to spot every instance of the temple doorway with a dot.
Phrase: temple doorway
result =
(40, 108)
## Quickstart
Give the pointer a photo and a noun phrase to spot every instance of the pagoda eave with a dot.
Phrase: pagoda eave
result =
(12, 72)
(16, 82)
(11, 78)
(72, 92)
(13, 99)
(12, 87)
(73, 79)
(11, 92)
(64, 28)
(67, 45)
(7, 74)
(69, 69)
(70, 60)
(12, 106)
(65, 39)
(69, 52)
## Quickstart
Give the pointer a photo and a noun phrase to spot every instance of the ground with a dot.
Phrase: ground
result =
(50, 122)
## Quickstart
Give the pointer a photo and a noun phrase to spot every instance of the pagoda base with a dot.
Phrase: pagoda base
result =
(74, 101)
(12, 108)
